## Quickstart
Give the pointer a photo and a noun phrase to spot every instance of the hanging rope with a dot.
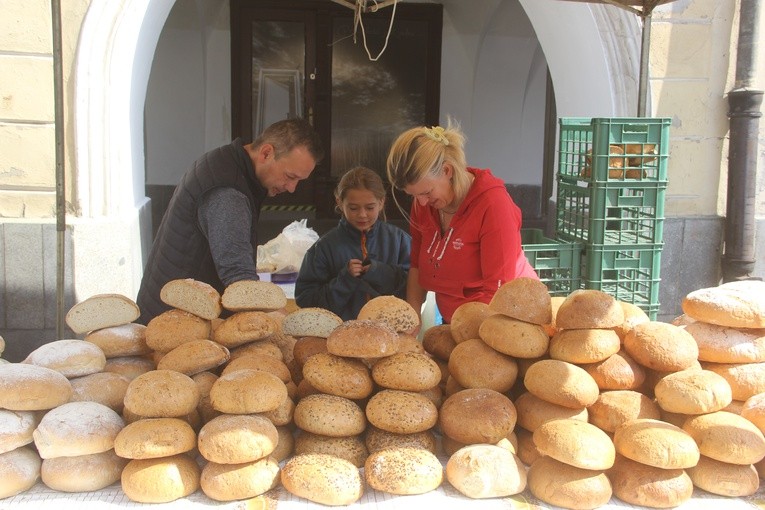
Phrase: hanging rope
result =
(361, 7)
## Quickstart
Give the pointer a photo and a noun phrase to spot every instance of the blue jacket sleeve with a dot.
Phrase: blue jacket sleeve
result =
(389, 278)
(317, 285)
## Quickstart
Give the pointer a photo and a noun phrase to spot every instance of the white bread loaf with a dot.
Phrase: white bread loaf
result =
(252, 295)
(720, 344)
(403, 471)
(19, 471)
(235, 439)
(524, 299)
(466, 320)
(378, 439)
(661, 346)
(402, 412)
(195, 356)
(561, 383)
(160, 480)
(477, 415)
(617, 407)
(170, 329)
(73, 358)
(77, 428)
(656, 443)
(192, 296)
(725, 479)
(107, 388)
(336, 375)
(486, 471)
(726, 437)
(693, 392)
(350, 448)
(407, 371)
(125, 340)
(32, 388)
(151, 438)
(576, 443)
(567, 486)
(393, 311)
(244, 327)
(534, 411)
(101, 311)
(439, 341)
(322, 478)
(745, 379)
(247, 391)
(363, 339)
(617, 372)
(739, 304)
(649, 486)
(162, 394)
(633, 315)
(16, 428)
(513, 337)
(329, 415)
(310, 322)
(231, 482)
(476, 365)
(589, 309)
(82, 473)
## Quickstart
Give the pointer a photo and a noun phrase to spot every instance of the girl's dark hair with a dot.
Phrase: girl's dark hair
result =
(361, 177)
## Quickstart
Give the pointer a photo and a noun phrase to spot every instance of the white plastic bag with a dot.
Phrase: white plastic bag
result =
(284, 253)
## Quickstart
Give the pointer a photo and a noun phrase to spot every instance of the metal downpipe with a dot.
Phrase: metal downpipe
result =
(58, 92)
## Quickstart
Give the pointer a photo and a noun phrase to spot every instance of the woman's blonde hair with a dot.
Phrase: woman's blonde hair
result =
(422, 151)
(362, 178)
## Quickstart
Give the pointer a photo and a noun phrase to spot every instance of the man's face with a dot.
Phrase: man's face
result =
(282, 174)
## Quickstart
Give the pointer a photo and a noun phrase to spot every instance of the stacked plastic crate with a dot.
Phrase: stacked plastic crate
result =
(612, 181)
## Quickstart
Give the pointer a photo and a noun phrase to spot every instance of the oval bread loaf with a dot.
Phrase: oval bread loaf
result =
(129, 366)
(16, 428)
(162, 394)
(329, 415)
(151, 438)
(720, 344)
(336, 375)
(693, 392)
(661, 346)
(73, 358)
(19, 471)
(561, 383)
(378, 439)
(477, 415)
(124, 340)
(391, 310)
(617, 407)
(322, 478)
(649, 486)
(170, 329)
(311, 321)
(363, 339)
(107, 388)
(524, 299)
(407, 371)
(192, 296)
(726, 437)
(77, 428)
(738, 304)
(467, 319)
(584, 345)
(439, 341)
(193, 357)
(231, 482)
(476, 365)
(244, 327)
(723, 478)
(82, 473)
(534, 411)
(253, 295)
(589, 309)
(513, 337)
(567, 486)
(576, 443)
(486, 471)
(745, 379)
(101, 311)
(160, 480)
(403, 471)
(247, 391)
(617, 372)
(656, 443)
(234, 439)
(350, 448)
(402, 412)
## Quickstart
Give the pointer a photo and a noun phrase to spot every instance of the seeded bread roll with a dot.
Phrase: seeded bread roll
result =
(245, 327)
(192, 296)
(322, 478)
(378, 439)
(170, 329)
(32, 388)
(486, 471)
(363, 339)
(231, 482)
(77, 428)
(16, 428)
(124, 340)
(739, 304)
(329, 415)
(661, 346)
(344, 377)
(725, 479)
(745, 379)
(513, 337)
(584, 345)
(73, 358)
(310, 322)
(160, 480)
(656, 443)
(438, 341)
(101, 311)
(252, 295)
(615, 408)
(162, 394)
(82, 473)
(561, 383)
(533, 412)
(617, 372)
(107, 388)
(649, 486)
(477, 415)
(466, 320)
(19, 471)
(726, 437)
(589, 309)
(402, 412)
(403, 471)
(234, 439)
(567, 486)
(720, 344)
(247, 391)
(693, 392)
(393, 311)
(476, 365)
(407, 371)
(350, 448)
(524, 299)
(129, 366)
(151, 438)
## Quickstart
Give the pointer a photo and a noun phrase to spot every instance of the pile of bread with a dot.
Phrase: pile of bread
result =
(576, 399)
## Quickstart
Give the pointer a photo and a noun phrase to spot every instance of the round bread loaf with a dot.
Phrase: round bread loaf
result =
(467, 319)
(350, 448)
(476, 365)
(77, 428)
(410, 343)
(344, 377)
(725, 479)
(576, 443)
(193, 357)
(204, 382)
(649, 486)
(402, 412)
(534, 411)
(477, 415)
(129, 366)
(738, 304)
(661, 346)
(285, 343)
(617, 372)
(589, 309)
(720, 344)
(124, 340)
(244, 327)
(617, 407)
(378, 439)
(247, 391)
(363, 339)
(329, 415)
(693, 392)
(73, 358)
(555, 302)
(101, 311)
(653, 377)
(82, 473)
(307, 346)
(513, 337)
(486, 471)
(656, 443)
(261, 362)
(567, 486)
(524, 299)
(745, 379)
(310, 321)
(160, 480)
(19, 471)
(435, 395)
(323, 479)
(231, 482)
(249, 295)
(151, 438)
(107, 388)
(527, 450)
(633, 315)
(234, 439)
(403, 471)
(193, 296)
(265, 346)
(162, 394)
(286, 445)
(753, 409)
(283, 414)
(561, 383)
(170, 329)
(726, 437)
(393, 311)
(438, 341)
(16, 428)
(407, 371)
(584, 345)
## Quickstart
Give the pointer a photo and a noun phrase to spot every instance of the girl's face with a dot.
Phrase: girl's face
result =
(435, 191)
(361, 208)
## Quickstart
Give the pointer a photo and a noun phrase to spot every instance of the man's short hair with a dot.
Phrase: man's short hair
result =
(287, 134)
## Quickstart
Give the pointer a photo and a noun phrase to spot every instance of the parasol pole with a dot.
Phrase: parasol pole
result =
(58, 92)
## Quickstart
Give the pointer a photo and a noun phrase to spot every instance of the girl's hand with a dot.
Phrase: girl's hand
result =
(355, 267)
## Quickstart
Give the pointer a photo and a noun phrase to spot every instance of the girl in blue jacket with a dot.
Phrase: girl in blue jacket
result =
(359, 259)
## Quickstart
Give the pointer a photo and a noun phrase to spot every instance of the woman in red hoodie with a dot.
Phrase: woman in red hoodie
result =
(466, 238)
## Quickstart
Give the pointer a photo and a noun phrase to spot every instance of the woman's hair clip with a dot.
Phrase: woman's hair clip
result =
(437, 134)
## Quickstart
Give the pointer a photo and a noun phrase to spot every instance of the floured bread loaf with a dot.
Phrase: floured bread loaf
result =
(363, 339)
(402, 412)
(19, 471)
(322, 478)
(513, 337)
(720, 344)
(567, 486)
(129, 366)
(584, 345)
(107, 388)
(534, 411)
(101, 311)
(693, 392)
(246, 295)
(661, 346)
(476, 365)
(162, 394)
(753, 409)
(438, 341)
(527, 450)
(561, 383)
(329, 415)
(407, 371)
(170, 329)
(524, 299)
(82, 473)
(726, 437)
(231, 482)
(32, 388)
(745, 379)
(151, 438)
(633, 315)
(192, 296)
(615, 408)
(234, 439)
(576, 443)
(336, 375)
(73, 358)
(739, 304)
(656, 443)
(617, 372)
(310, 322)
(124, 340)
(393, 311)
(378, 439)
(160, 480)
(649, 486)
(725, 479)
(77, 428)
(466, 320)
(245, 327)
(589, 309)
(477, 415)
(350, 448)
(486, 471)
(403, 471)
(16, 428)
(247, 391)
(193, 357)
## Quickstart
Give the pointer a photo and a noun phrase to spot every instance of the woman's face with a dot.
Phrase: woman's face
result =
(435, 191)
(361, 208)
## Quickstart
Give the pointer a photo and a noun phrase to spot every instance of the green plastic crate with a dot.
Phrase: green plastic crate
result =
(558, 263)
(613, 150)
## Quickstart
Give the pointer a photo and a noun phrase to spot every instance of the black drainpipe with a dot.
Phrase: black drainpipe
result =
(744, 102)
